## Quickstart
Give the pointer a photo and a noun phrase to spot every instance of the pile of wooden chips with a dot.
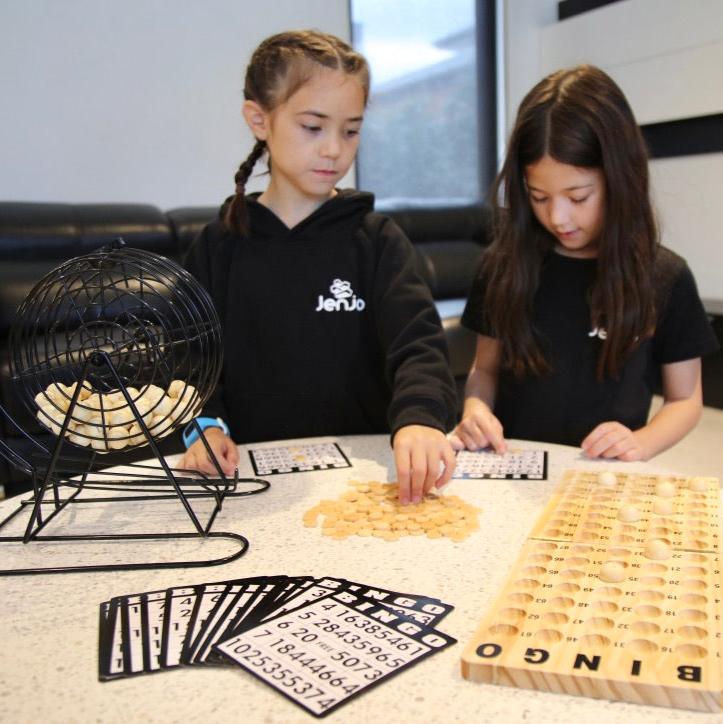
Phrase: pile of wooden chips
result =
(373, 509)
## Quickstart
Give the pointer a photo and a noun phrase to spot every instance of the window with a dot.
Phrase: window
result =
(429, 131)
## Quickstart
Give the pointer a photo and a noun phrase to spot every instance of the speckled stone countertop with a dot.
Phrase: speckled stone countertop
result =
(49, 640)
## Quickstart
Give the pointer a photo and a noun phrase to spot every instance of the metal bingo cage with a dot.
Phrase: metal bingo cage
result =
(112, 351)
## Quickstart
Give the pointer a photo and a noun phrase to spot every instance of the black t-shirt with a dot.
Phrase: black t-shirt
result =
(566, 404)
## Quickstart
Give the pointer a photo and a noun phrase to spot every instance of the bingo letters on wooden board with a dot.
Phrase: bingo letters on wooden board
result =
(615, 594)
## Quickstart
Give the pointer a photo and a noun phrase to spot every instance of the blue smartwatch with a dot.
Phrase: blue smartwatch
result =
(190, 433)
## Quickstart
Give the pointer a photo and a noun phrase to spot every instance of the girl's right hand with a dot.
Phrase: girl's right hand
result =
(223, 447)
(478, 429)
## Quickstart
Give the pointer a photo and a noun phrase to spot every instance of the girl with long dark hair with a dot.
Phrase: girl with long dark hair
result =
(580, 312)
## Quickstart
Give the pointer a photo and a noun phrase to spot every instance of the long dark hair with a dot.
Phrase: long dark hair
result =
(278, 68)
(578, 117)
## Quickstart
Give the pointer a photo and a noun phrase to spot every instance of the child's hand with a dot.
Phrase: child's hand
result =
(223, 447)
(613, 440)
(418, 453)
(478, 429)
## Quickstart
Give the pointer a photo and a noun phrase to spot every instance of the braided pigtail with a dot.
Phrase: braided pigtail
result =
(236, 216)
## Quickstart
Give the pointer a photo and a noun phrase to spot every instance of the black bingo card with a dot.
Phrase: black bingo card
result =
(513, 465)
(318, 641)
(297, 458)
(332, 649)
(422, 609)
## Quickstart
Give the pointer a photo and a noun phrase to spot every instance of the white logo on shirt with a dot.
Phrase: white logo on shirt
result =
(344, 299)
(598, 332)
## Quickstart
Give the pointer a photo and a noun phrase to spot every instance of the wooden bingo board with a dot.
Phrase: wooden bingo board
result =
(297, 458)
(607, 603)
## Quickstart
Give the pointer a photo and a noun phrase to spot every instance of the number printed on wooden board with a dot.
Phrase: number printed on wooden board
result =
(616, 594)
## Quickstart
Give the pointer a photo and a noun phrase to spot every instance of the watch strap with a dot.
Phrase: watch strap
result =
(191, 431)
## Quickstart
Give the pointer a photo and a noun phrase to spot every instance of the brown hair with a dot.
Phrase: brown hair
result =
(579, 117)
(278, 68)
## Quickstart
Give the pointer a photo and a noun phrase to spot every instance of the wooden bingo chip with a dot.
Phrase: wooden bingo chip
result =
(373, 509)
(609, 602)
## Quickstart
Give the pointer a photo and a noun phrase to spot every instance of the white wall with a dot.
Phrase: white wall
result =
(523, 23)
(136, 100)
(667, 57)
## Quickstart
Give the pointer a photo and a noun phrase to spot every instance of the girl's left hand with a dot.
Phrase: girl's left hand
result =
(613, 440)
(424, 459)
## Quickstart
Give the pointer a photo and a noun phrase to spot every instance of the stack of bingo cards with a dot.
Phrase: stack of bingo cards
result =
(319, 642)
(616, 594)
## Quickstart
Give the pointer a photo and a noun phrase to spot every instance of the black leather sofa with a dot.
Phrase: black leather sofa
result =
(36, 237)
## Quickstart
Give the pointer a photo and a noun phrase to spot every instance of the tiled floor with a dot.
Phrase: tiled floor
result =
(701, 451)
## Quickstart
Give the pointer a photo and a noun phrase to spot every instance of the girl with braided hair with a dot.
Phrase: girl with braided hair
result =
(328, 328)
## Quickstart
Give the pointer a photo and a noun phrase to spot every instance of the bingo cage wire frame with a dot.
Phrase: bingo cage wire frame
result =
(93, 347)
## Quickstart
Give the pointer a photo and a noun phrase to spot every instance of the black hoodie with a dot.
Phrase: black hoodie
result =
(328, 327)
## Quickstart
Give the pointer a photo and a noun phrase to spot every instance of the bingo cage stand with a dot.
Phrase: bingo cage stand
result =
(112, 351)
